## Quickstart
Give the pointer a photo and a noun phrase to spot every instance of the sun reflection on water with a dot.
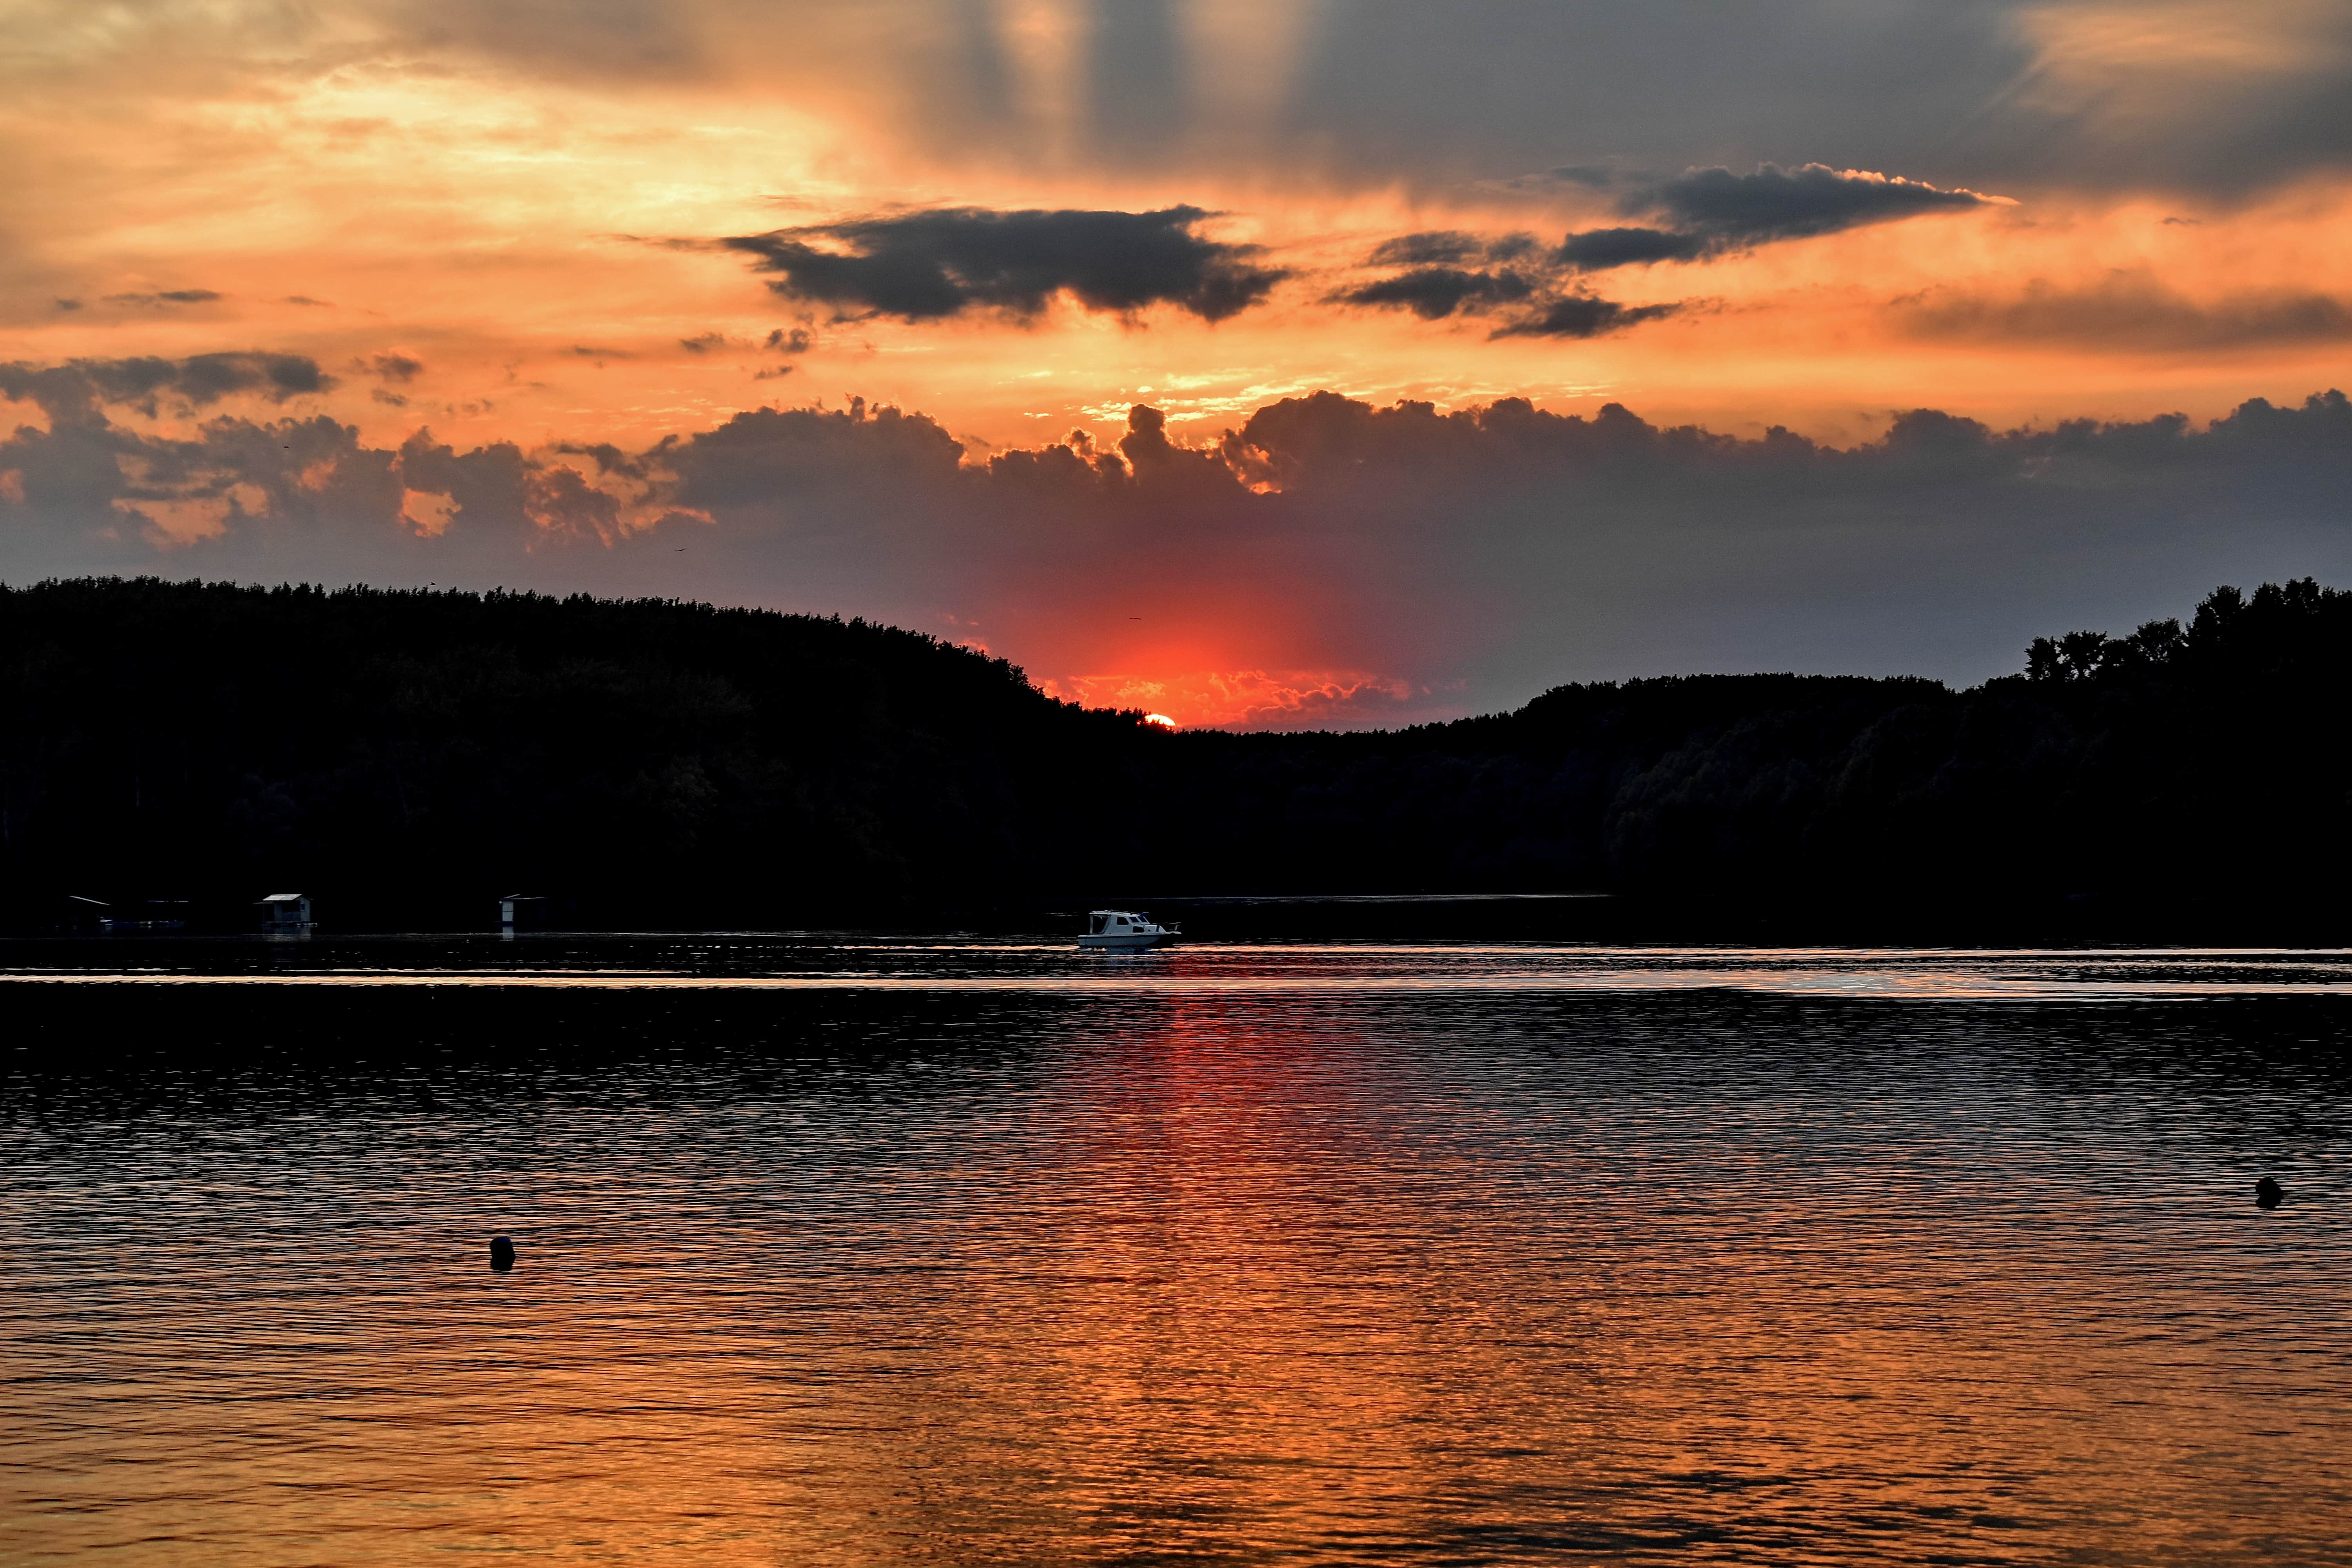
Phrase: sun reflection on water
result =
(1108, 1275)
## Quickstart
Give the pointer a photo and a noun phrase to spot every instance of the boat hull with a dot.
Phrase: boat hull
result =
(1129, 939)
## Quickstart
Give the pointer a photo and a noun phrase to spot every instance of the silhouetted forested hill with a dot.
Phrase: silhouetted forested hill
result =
(406, 756)
(2204, 762)
(407, 752)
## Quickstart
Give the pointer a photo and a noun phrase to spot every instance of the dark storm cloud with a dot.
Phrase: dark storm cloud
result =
(395, 367)
(2129, 314)
(1526, 307)
(926, 265)
(1450, 248)
(1712, 211)
(1327, 445)
(1597, 250)
(1430, 292)
(703, 344)
(1788, 203)
(1432, 247)
(1488, 551)
(207, 378)
(1582, 316)
(167, 296)
(77, 389)
(1532, 294)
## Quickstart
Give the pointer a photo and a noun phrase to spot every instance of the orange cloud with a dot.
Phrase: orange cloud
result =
(1248, 699)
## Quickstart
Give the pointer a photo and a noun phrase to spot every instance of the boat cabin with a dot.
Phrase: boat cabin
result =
(1124, 928)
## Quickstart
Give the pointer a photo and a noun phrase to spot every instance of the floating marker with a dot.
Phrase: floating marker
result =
(501, 1253)
(2267, 1193)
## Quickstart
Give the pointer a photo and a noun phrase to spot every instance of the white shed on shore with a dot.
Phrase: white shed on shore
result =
(522, 912)
(286, 914)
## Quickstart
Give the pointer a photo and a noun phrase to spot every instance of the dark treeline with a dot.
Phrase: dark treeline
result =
(417, 752)
(405, 757)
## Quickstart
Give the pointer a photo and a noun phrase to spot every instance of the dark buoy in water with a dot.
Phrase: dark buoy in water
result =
(501, 1254)
(2267, 1193)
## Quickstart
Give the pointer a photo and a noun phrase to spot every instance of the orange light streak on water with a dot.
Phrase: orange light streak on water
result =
(1094, 1275)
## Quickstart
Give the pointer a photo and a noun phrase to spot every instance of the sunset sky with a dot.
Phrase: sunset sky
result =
(1268, 363)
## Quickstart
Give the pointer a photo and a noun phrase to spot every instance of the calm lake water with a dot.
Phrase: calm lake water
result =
(988, 1252)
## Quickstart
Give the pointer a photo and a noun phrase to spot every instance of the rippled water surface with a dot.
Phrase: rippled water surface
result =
(866, 1252)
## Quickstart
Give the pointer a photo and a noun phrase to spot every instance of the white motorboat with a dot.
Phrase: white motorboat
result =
(1124, 928)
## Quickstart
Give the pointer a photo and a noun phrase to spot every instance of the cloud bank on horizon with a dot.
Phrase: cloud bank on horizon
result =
(1324, 561)
(570, 294)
